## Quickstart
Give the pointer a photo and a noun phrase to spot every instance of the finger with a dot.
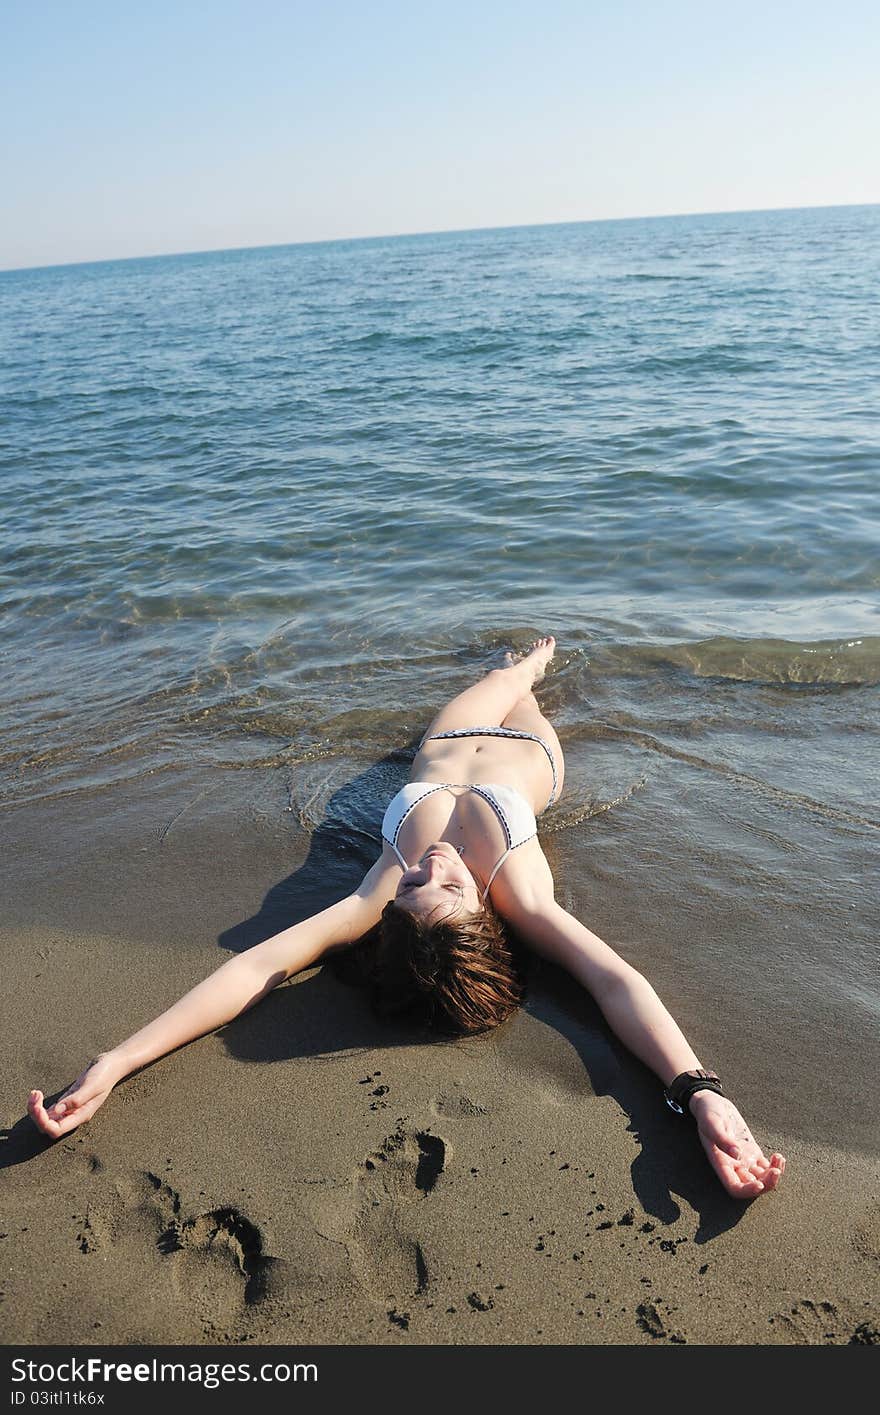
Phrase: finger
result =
(739, 1185)
(721, 1136)
(56, 1128)
(725, 1141)
(73, 1096)
(60, 1108)
(72, 1101)
(723, 1166)
(36, 1107)
(740, 1188)
(70, 1122)
(748, 1177)
(736, 1177)
(751, 1189)
(775, 1173)
(38, 1115)
(49, 1120)
(748, 1184)
(770, 1174)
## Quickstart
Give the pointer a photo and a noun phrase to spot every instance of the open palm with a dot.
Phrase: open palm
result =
(732, 1149)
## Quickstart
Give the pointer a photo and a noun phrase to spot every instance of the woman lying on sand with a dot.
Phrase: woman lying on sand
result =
(466, 821)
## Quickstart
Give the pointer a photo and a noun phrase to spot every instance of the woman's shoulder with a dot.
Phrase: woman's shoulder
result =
(523, 886)
(376, 889)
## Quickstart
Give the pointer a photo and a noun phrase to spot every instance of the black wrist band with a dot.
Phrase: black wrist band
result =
(678, 1092)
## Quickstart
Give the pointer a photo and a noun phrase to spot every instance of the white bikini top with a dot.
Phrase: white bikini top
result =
(515, 815)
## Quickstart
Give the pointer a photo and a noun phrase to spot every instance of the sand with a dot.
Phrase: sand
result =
(312, 1175)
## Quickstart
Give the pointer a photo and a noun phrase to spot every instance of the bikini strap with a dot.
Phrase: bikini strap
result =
(485, 893)
(404, 866)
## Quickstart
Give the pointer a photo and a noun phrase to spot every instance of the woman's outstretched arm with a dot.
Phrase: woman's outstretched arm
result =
(638, 1017)
(234, 988)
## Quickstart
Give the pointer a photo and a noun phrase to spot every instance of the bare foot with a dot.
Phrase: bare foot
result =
(732, 1149)
(536, 659)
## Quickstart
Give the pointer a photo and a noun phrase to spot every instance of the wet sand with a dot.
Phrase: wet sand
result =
(312, 1175)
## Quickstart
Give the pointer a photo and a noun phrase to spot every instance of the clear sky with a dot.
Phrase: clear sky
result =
(167, 125)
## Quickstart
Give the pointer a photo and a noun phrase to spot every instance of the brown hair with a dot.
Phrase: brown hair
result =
(460, 972)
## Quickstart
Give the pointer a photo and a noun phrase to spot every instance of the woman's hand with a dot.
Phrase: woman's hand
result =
(733, 1151)
(79, 1102)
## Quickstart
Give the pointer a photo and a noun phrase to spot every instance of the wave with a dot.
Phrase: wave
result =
(784, 662)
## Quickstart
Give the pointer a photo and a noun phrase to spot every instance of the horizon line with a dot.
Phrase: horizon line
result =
(442, 231)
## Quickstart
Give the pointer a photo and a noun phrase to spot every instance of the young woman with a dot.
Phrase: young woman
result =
(460, 859)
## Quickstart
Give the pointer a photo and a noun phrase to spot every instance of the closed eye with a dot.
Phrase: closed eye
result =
(456, 888)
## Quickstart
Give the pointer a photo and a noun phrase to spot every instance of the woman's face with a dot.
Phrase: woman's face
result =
(439, 884)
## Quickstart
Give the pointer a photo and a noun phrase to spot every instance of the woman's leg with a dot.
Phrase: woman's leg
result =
(488, 703)
(526, 716)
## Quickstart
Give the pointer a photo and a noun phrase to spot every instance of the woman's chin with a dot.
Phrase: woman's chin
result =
(443, 848)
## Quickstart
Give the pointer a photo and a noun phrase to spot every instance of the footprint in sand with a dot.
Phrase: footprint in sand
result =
(386, 1257)
(214, 1261)
(651, 1319)
(809, 1323)
(219, 1266)
(459, 1106)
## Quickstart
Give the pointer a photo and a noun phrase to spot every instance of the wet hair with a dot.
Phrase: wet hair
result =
(461, 974)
